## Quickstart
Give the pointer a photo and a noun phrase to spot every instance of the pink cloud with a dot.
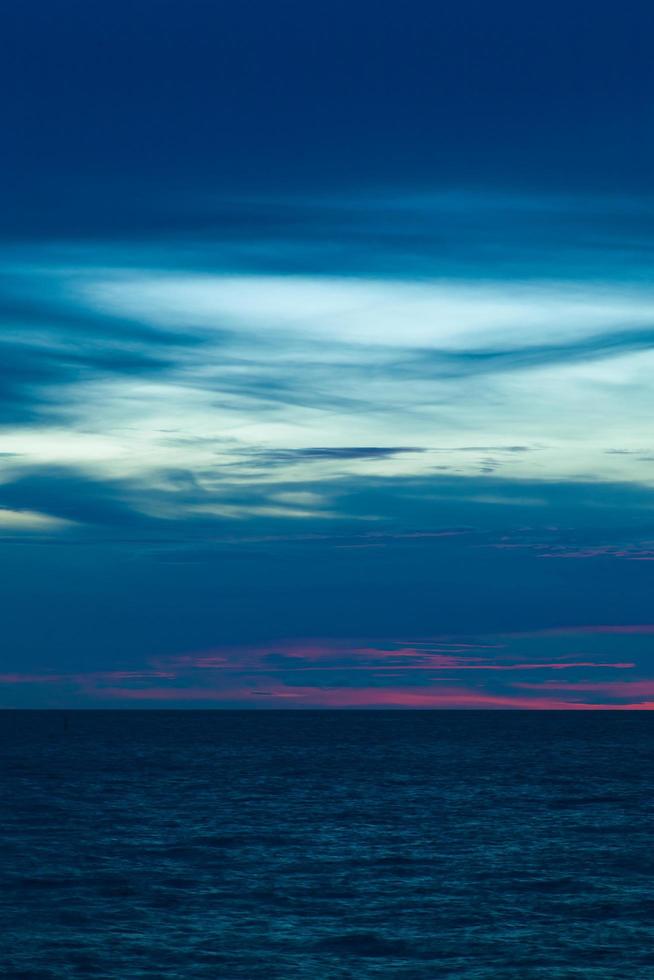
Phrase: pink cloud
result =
(638, 551)
(252, 675)
(346, 697)
(347, 657)
(618, 689)
(241, 695)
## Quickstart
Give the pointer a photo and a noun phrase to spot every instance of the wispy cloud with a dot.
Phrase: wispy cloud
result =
(356, 380)
(321, 373)
(438, 672)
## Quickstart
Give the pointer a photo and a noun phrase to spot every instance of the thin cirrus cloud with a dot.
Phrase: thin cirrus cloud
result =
(428, 673)
(353, 424)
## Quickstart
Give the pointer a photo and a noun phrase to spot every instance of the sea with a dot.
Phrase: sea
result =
(326, 844)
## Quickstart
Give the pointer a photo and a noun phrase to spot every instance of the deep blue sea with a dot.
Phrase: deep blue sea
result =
(326, 844)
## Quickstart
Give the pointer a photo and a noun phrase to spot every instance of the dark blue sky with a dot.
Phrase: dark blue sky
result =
(326, 338)
(290, 94)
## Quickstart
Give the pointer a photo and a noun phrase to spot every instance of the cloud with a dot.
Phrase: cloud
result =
(461, 316)
(320, 453)
(367, 378)
(430, 696)
(64, 496)
(437, 672)
(360, 391)
(623, 629)
(633, 690)
(51, 348)
(29, 520)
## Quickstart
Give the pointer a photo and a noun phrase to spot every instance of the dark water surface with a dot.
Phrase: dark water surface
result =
(326, 844)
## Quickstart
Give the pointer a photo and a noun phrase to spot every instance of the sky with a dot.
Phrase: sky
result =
(327, 338)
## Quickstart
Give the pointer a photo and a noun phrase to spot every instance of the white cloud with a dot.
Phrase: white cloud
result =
(447, 315)
(30, 520)
(343, 362)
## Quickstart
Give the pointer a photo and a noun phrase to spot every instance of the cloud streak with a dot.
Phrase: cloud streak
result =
(437, 673)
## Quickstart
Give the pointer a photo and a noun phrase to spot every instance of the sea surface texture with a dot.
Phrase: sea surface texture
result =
(326, 844)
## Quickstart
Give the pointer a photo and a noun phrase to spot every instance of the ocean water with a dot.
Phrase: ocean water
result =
(326, 844)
